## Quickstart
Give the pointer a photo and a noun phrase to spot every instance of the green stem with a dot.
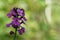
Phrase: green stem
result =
(15, 34)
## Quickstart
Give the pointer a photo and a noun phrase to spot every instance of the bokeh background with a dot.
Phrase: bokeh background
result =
(37, 26)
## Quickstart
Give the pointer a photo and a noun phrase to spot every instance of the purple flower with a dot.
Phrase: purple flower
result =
(18, 18)
(8, 25)
(23, 29)
(20, 32)
(24, 19)
(15, 23)
(15, 19)
(14, 11)
(9, 15)
(21, 12)
(15, 26)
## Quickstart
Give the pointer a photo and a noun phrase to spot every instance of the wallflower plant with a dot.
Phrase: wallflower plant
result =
(18, 19)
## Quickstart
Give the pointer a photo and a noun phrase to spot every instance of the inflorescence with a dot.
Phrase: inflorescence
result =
(18, 19)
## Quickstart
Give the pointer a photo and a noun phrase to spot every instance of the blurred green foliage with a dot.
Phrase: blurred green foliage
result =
(37, 27)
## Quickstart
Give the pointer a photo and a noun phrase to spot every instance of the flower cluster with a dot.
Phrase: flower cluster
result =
(18, 18)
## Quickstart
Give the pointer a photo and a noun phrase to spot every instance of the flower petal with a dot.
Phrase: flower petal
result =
(20, 32)
(18, 23)
(15, 23)
(8, 25)
(23, 29)
(21, 12)
(24, 18)
(9, 15)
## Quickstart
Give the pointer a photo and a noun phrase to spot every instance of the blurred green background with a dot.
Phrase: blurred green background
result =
(37, 26)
